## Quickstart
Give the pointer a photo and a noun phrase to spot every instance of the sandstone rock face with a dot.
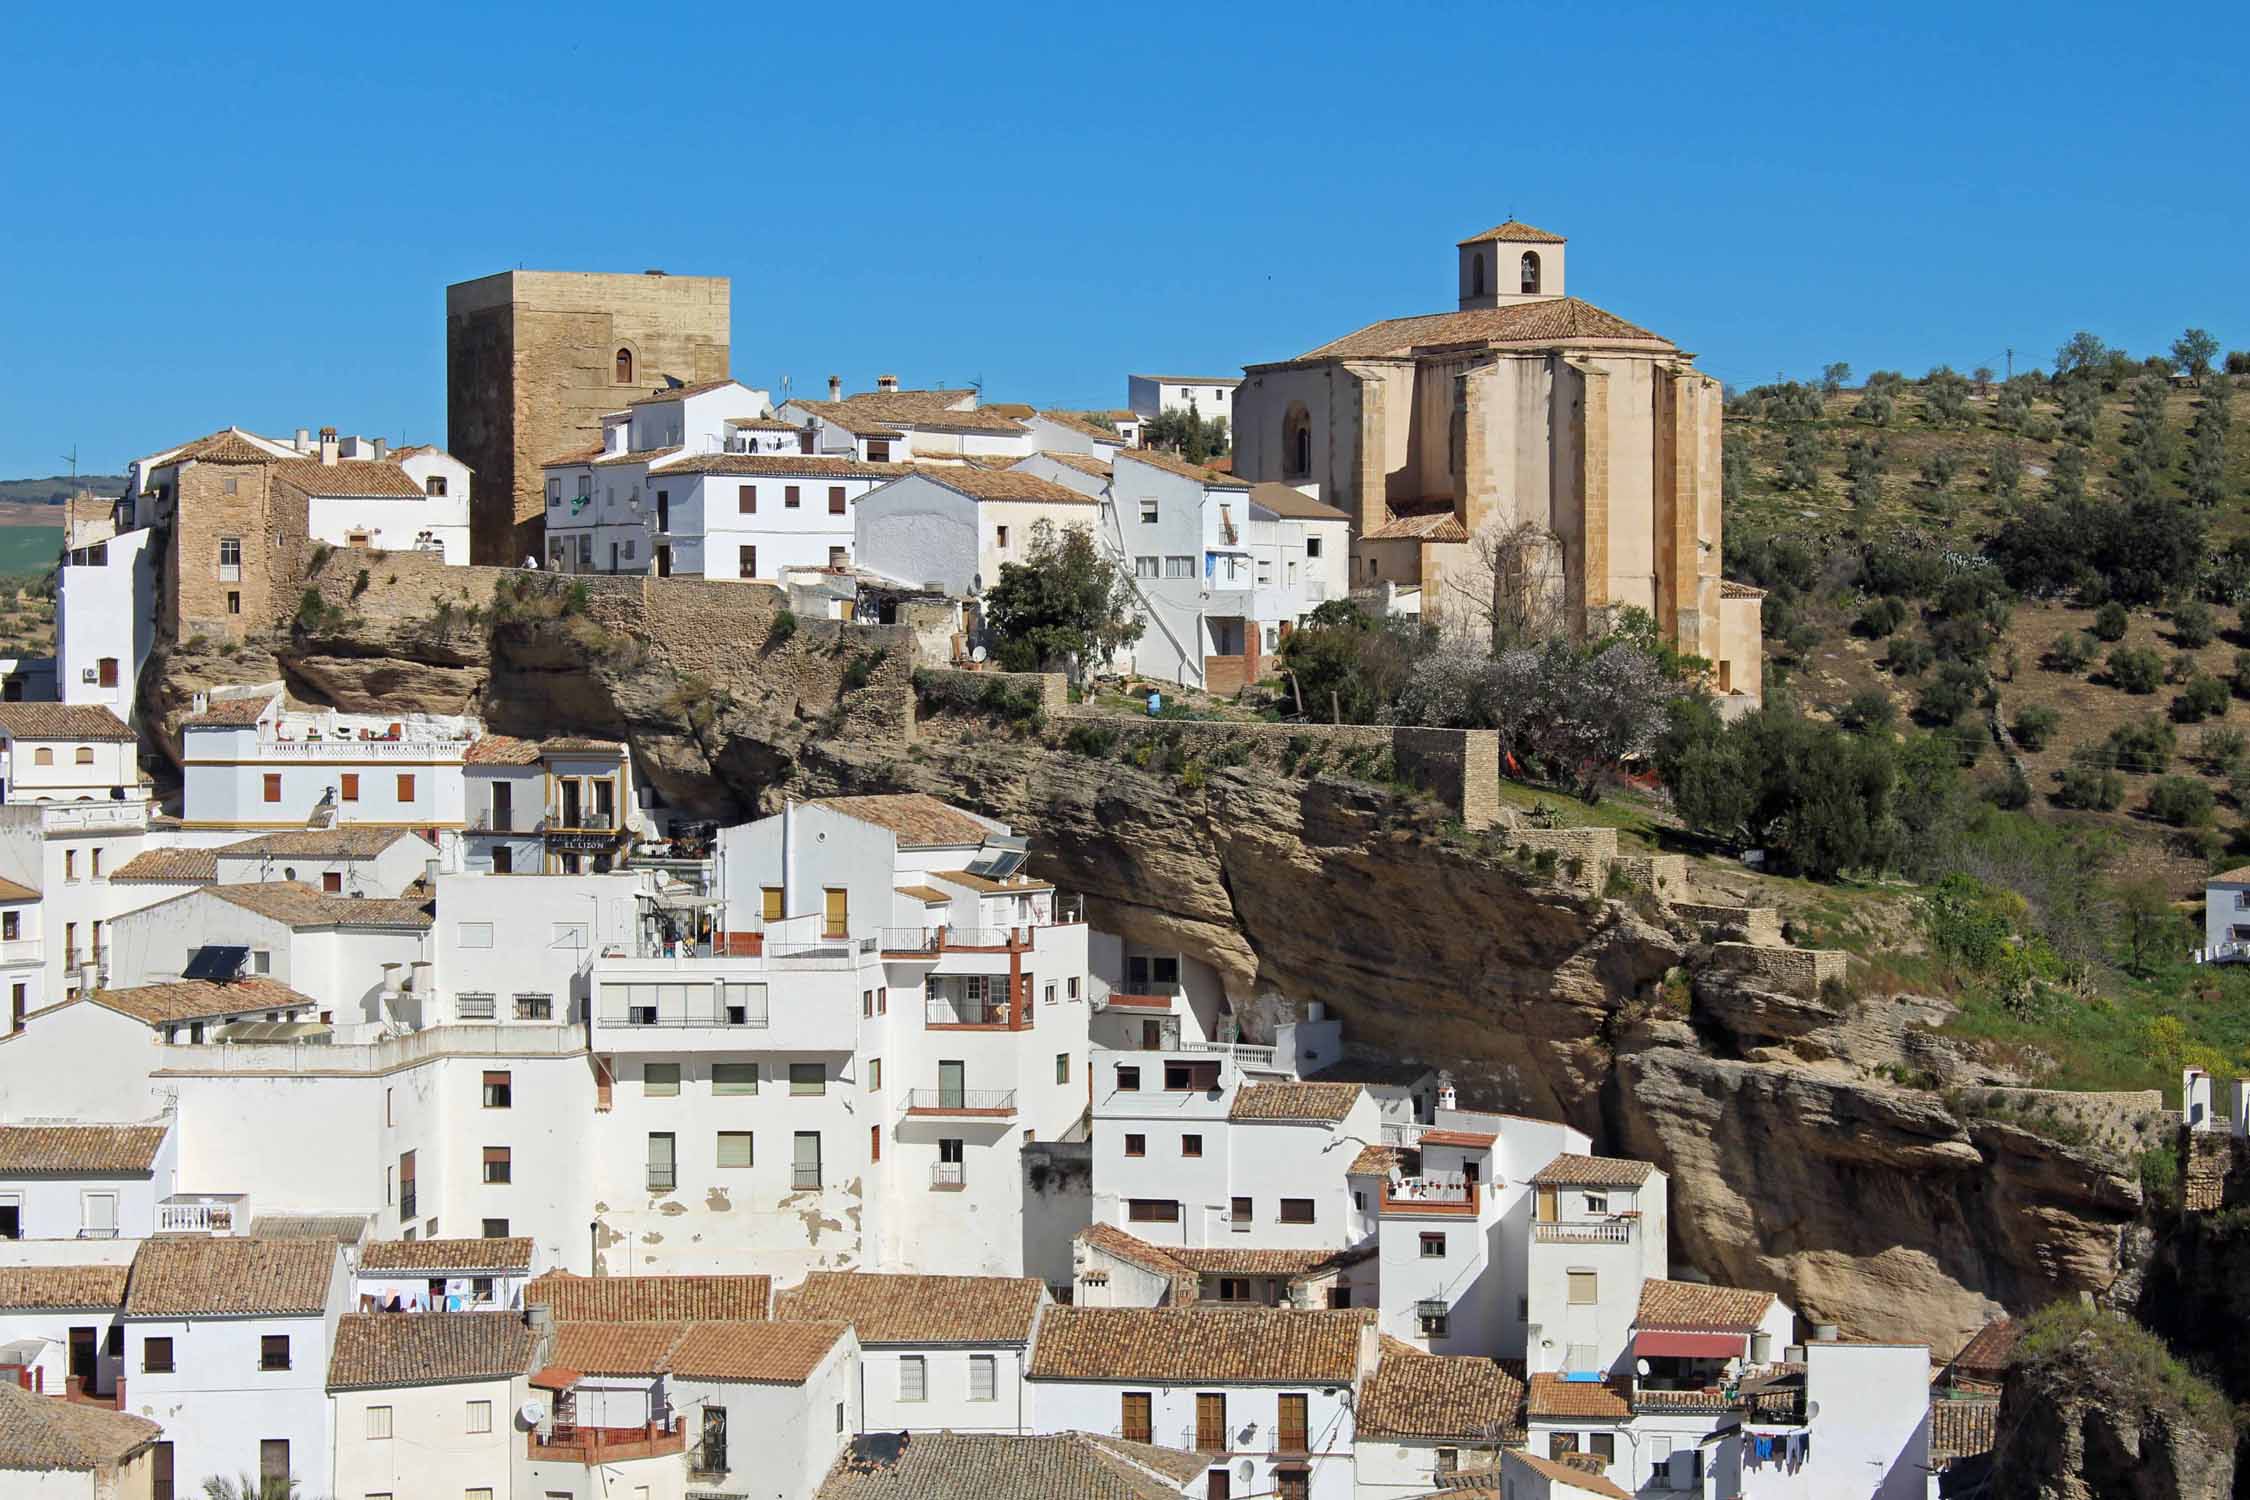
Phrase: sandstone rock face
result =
(2079, 1426)
(1795, 1164)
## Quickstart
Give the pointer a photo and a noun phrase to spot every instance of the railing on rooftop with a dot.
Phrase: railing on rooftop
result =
(372, 1057)
(1442, 1193)
(204, 1213)
(1584, 1232)
(562, 1443)
(754, 1018)
(1246, 1053)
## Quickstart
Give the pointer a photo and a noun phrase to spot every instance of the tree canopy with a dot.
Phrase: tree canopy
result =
(1067, 604)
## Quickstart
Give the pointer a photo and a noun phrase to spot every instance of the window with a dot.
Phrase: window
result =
(474, 935)
(882, 999)
(789, 494)
(808, 1078)
(913, 1378)
(1295, 1422)
(1191, 1145)
(1296, 1210)
(1134, 1416)
(434, 486)
(769, 903)
(1234, 1289)
(1047, 995)
(261, 960)
(499, 1090)
(109, 671)
(1136, 1145)
(1148, 567)
(42, 756)
(273, 786)
(1530, 271)
(499, 1166)
(1128, 1079)
(746, 500)
(378, 1423)
(874, 1075)
(804, 1160)
(1597, 1203)
(70, 864)
(1153, 1210)
(1476, 274)
(156, 1356)
(835, 499)
(1000, 537)
(839, 557)
(1062, 1064)
(1436, 1323)
(348, 786)
(1179, 567)
(1239, 1211)
(734, 1078)
(405, 787)
(867, 1004)
(528, 1007)
(1296, 441)
(474, 1007)
(663, 1161)
(554, 491)
(874, 1143)
(230, 557)
(736, 1149)
(161, 1480)
(624, 367)
(491, 1229)
(1583, 1289)
(1603, 1445)
(1070, 988)
(1211, 1422)
(1191, 1075)
(273, 1351)
(1433, 1247)
(660, 1080)
(984, 1378)
(11, 926)
(1148, 512)
(878, 451)
(835, 912)
(234, 602)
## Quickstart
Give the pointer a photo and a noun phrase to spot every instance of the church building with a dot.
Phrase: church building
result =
(1524, 413)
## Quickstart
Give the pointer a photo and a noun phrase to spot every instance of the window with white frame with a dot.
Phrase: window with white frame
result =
(378, 1423)
(913, 1378)
(1148, 567)
(473, 935)
(474, 1007)
(1597, 1203)
(984, 1383)
(480, 1416)
(1148, 512)
(1179, 567)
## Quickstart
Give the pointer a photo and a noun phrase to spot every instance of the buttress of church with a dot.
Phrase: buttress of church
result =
(1453, 437)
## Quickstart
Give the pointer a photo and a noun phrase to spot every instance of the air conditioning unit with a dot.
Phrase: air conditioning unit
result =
(86, 674)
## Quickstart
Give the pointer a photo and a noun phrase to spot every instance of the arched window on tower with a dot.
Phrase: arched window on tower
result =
(1531, 271)
(624, 367)
(1476, 274)
(1296, 441)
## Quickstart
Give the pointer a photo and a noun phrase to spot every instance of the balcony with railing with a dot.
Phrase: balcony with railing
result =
(1618, 1230)
(804, 1176)
(939, 1014)
(723, 1003)
(560, 1443)
(1447, 1193)
(997, 1104)
(93, 817)
(663, 1176)
(948, 1177)
(204, 1213)
(1245, 1054)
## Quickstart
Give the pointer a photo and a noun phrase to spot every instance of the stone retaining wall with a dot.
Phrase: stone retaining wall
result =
(1795, 971)
(1050, 689)
(1664, 876)
(1760, 925)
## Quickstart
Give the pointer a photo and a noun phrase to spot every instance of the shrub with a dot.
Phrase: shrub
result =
(2012, 792)
(2202, 698)
(2091, 788)
(2182, 801)
(2136, 669)
(1909, 656)
(861, 669)
(2145, 745)
(1091, 740)
(783, 628)
(2221, 748)
(2035, 726)
(2194, 624)
(1966, 741)
(2110, 622)
(2073, 651)
(321, 552)
(1867, 712)
(1882, 617)
(1945, 699)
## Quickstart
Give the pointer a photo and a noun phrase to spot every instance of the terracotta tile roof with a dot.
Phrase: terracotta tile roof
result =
(635, 456)
(187, 1277)
(862, 424)
(1230, 1345)
(1288, 501)
(1729, 589)
(432, 1348)
(201, 999)
(1003, 484)
(1187, 379)
(1171, 463)
(14, 890)
(1020, 410)
(1228, 1260)
(762, 424)
(575, 458)
(106, 1150)
(346, 1228)
(1961, 1429)
(301, 907)
(984, 1466)
(1473, 1140)
(1376, 1161)
(348, 841)
(1135, 1251)
(785, 466)
(902, 406)
(1412, 1394)
(1691, 1305)
(61, 721)
(679, 392)
(1293, 1101)
(629, 1299)
(459, 1257)
(895, 1309)
(962, 421)
(1552, 1396)
(1556, 320)
(579, 744)
(47, 1433)
(501, 750)
(989, 887)
(169, 866)
(359, 477)
(1084, 463)
(26, 1287)
(235, 713)
(1515, 232)
(614, 1348)
(919, 820)
(229, 445)
(1582, 1481)
(1079, 424)
(762, 1353)
(1429, 526)
(1986, 1354)
(1568, 1170)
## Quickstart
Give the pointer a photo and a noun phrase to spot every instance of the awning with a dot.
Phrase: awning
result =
(556, 1378)
(1689, 1345)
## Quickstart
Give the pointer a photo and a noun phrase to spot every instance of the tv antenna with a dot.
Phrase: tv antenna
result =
(72, 459)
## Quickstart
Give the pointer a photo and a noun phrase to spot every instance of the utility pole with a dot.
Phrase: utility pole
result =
(72, 459)
(2011, 362)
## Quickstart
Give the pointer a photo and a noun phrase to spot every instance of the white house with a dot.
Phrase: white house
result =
(426, 1405)
(1528, 1476)
(927, 1466)
(937, 1353)
(58, 1319)
(767, 1406)
(346, 860)
(456, 1275)
(1598, 1234)
(23, 952)
(105, 608)
(66, 752)
(1074, 432)
(1425, 1418)
(1206, 395)
(86, 1181)
(227, 1344)
(2226, 916)
(253, 766)
(555, 806)
(952, 528)
(757, 516)
(60, 1450)
(367, 498)
(68, 852)
(1265, 1394)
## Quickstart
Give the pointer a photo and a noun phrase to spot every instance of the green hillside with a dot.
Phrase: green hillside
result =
(57, 488)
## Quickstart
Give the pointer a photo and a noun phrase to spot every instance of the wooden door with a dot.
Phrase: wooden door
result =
(1546, 1209)
(1211, 1422)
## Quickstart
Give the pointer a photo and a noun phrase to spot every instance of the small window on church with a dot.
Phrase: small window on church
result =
(1296, 441)
(624, 367)
(1476, 274)
(1531, 270)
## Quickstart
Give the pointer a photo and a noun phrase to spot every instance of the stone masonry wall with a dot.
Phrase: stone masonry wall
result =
(1796, 971)
(1742, 924)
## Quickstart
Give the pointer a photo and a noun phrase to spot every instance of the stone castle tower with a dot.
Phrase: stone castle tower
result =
(533, 359)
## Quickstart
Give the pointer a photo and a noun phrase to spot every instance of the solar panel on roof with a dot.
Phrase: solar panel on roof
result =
(216, 962)
(1006, 863)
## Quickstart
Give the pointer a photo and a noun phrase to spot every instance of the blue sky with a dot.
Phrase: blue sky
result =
(250, 213)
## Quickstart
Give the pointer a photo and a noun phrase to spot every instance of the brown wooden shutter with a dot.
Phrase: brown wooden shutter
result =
(1211, 1422)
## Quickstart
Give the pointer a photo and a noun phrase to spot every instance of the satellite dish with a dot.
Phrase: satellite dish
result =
(1247, 1470)
(532, 1413)
(1812, 1411)
(1640, 1367)
(978, 654)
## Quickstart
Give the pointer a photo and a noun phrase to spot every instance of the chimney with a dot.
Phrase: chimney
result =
(835, 387)
(382, 450)
(304, 440)
(327, 445)
(2195, 1099)
(886, 382)
(1446, 1097)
